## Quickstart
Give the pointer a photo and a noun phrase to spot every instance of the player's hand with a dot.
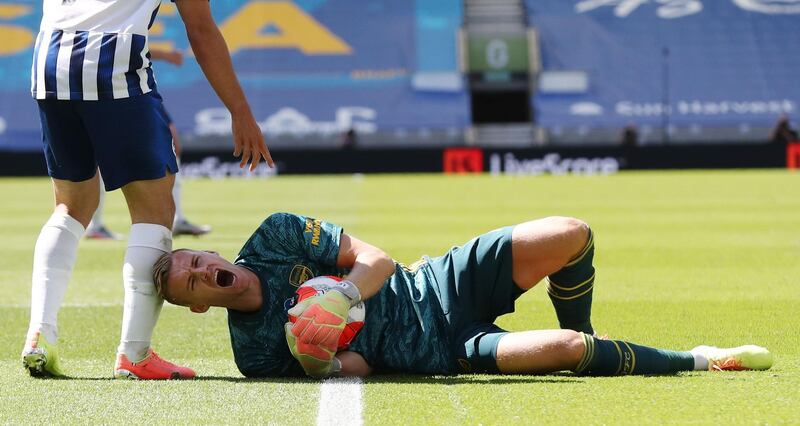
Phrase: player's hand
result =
(316, 361)
(248, 141)
(321, 319)
(313, 339)
(174, 57)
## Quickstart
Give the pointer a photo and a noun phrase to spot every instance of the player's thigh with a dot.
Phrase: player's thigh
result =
(66, 143)
(474, 280)
(131, 138)
(542, 247)
(539, 351)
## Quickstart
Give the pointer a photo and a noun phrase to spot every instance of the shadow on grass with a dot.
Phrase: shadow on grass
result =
(560, 377)
(475, 379)
(413, 379)
(67, 378)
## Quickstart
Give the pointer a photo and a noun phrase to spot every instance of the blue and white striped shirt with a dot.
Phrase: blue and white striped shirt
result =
(93, 50)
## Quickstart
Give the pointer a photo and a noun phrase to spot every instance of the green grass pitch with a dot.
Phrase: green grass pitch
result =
(683, 258)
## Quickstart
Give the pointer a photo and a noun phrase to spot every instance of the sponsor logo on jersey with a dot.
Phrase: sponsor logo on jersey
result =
(289, 304)
(313, 226)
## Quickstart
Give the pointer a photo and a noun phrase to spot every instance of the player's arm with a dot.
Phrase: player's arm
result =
(369, 266)
(212, 54)
(174, 57)
(313, 338)
(352, 364)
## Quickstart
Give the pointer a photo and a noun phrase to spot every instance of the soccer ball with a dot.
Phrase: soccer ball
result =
(319, 285)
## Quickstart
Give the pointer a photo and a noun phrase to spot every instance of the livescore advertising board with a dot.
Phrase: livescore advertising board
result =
(311, 68)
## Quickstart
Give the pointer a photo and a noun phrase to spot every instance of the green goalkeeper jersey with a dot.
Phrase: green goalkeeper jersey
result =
(404, 328)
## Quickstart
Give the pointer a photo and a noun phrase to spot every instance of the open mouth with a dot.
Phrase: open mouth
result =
(224, 278)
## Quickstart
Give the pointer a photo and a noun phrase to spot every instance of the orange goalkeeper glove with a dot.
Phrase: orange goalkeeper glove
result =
(314, 337)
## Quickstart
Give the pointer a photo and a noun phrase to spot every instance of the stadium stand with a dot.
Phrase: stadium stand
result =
(490, 73)
(724, 70)
(313, 70)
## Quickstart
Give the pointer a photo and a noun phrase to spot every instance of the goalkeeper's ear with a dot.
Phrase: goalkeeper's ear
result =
(199, 309)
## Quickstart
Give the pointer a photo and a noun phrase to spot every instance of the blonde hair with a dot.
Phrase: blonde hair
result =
(161, 275)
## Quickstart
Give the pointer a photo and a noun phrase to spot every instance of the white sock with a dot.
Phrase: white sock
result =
(97, 218)
(147, 242)
(700, 361)
(53, 260)
(176, 195)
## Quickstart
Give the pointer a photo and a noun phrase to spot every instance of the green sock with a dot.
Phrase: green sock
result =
(570, 290)
(617, 357)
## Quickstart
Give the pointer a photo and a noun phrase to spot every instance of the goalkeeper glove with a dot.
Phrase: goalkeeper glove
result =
(314, 337)
(316, 362)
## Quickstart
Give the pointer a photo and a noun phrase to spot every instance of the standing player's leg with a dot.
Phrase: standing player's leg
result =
(152, 209)
(561, 249)
(71, 165)
(181, 225)
(134, 151)
(53, 260)
(545, 351)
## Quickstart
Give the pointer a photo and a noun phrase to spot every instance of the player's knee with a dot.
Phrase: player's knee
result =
(151, 201)
(575, 228)
(575, 232)
(573, 346)
(81, 210)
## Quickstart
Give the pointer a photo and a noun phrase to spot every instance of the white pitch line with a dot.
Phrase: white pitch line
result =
(340, 402)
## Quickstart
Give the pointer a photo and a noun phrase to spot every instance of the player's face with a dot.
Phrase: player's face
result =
(201, 278)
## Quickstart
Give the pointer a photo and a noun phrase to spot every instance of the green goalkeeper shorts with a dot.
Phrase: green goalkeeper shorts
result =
(474, 285)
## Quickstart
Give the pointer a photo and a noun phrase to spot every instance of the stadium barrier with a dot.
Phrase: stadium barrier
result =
(460, 160)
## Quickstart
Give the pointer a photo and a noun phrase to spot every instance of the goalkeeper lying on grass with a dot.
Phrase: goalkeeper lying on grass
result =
(433, 317)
